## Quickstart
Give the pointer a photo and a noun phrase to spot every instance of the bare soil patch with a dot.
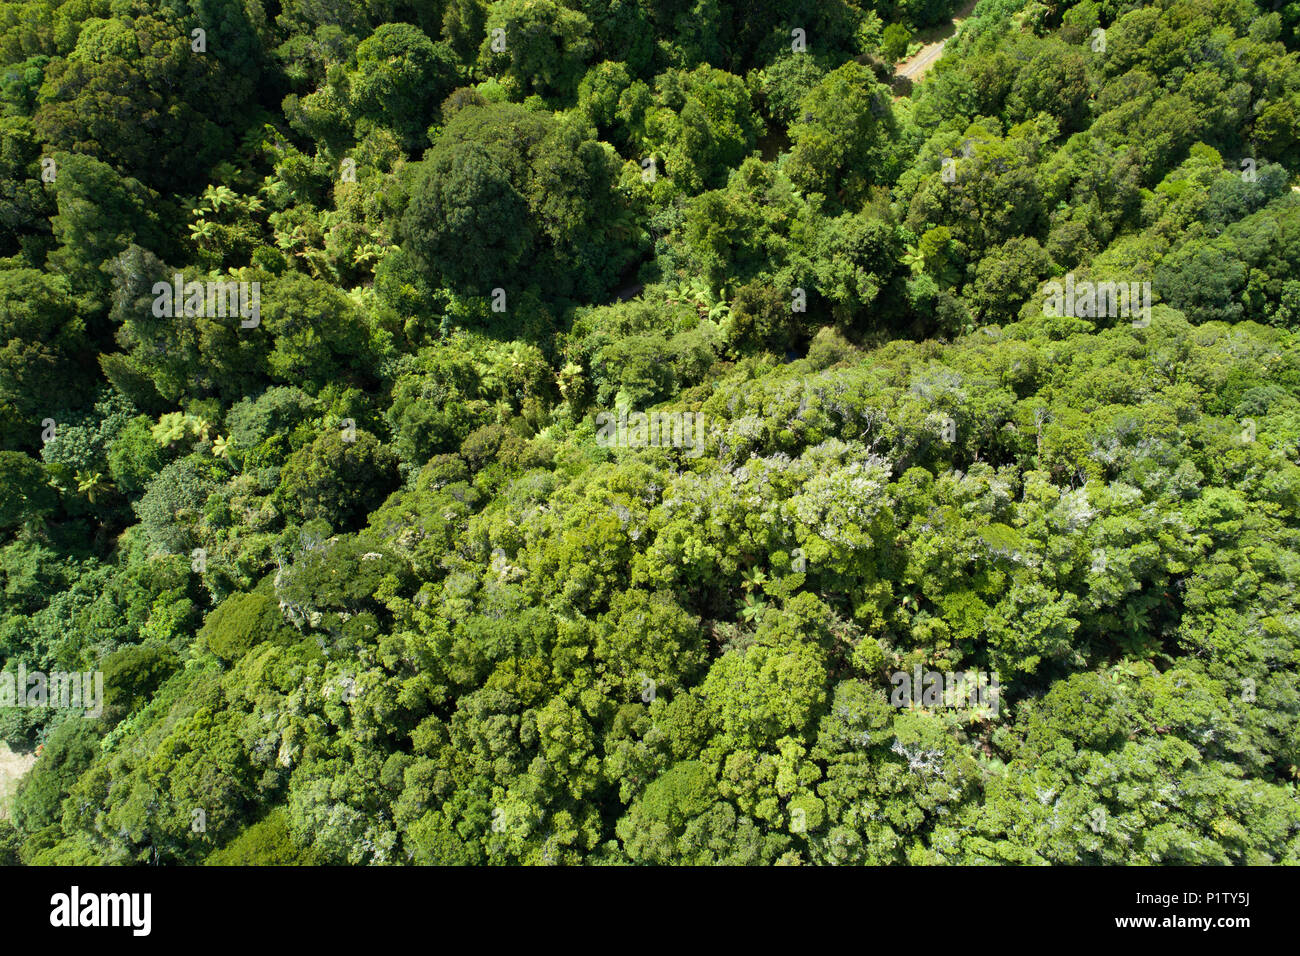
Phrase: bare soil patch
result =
(12, 767)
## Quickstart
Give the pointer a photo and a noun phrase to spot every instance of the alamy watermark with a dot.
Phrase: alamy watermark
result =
(75, 908)
(653, 430)
(974, 689)
(1085, 300)
(66, 690)
(214, 299)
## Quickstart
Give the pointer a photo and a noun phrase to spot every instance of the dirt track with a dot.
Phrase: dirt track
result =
(915, 67)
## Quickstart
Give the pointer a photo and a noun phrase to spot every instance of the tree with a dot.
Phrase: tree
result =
(24, 490)
(240, 623)
(170, 510)
(1006, 277)
(400, 80)
(41, 334)
(1055, 82)
(703, 126)
(508, 198)
(541, 47)
(895, 41)
(267, 842)
(764, 693)
(134, 93)
(100, 214)
(338, 478)
(24, 203)
(843, 136)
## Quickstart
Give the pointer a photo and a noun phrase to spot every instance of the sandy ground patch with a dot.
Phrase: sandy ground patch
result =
(12, 767)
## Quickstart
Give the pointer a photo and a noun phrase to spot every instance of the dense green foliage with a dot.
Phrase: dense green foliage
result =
(364, 584)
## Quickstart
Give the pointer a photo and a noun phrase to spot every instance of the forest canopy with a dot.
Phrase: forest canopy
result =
(555, 431)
